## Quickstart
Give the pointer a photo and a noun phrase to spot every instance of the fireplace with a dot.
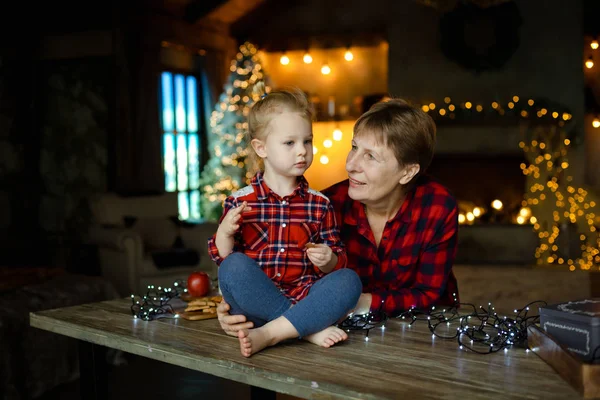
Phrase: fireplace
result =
(477, 180)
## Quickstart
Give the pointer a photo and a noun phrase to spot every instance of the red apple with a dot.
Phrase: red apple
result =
(198, 284)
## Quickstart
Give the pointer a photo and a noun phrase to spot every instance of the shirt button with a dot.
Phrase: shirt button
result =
(284, 224)
(284, 202)
(282, 250)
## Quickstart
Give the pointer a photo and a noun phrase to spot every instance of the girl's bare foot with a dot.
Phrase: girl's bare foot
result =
(327, 337)
(253, 340)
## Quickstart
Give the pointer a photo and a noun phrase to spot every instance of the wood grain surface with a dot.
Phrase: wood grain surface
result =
(399, 362)
(584, 377)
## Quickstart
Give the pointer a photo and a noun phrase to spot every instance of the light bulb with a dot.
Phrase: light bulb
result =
(307, 58)
(348, 55)
(337, 135)
(589, 63)
(284, 60)
(594, 44)
(596, 123)
(325, 70)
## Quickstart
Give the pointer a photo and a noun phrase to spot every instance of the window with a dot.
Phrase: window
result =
(181, 141)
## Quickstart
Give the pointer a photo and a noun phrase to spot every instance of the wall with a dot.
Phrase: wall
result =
(75, 118)
(366, 74)
(547, 63)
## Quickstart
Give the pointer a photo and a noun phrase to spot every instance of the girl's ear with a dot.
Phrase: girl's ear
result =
(259, 147)
(409, 173)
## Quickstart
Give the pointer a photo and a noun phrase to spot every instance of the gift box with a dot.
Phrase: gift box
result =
(575, 325)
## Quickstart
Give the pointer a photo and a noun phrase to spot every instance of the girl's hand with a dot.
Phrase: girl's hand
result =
(319, 254)
(231, 222)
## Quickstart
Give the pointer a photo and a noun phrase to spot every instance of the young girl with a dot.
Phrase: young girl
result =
(281, 262)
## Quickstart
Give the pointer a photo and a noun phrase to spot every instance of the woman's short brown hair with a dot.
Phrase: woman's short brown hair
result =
(407, 130)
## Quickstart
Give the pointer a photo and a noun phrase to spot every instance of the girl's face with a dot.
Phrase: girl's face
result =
(373, 171)
(288, 148)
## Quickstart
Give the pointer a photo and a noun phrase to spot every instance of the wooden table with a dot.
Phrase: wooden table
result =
(399, 362)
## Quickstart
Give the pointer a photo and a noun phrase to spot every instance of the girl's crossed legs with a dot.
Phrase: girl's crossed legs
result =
(250, 292)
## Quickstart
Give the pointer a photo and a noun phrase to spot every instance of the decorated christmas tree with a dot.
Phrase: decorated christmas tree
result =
(226, 170)
(564, 215)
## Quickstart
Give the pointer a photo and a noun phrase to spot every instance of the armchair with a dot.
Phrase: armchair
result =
(130, 232)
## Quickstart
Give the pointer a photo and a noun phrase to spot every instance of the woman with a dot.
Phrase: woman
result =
(398, 225)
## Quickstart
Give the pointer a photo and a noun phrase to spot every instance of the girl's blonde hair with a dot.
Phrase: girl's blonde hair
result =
(268, 106)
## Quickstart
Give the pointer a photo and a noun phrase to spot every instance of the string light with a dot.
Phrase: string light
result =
(156, 302)
(594, 44)
(284, 60)
(325, 69)
(554, 202)
(348, 56)
(307, 58)
(364, 322)
(589, 62)
(481, 330)
(557, 205)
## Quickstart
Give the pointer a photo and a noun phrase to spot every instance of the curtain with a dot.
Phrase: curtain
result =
(138, 137)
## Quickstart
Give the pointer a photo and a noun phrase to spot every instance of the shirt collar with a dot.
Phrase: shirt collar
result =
(357, 213)
(262, 190)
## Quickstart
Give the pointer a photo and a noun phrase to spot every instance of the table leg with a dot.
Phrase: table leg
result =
(93, 371)
(258, 393)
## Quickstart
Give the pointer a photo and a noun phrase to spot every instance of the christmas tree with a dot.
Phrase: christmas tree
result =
(226, 170)
(564, 215)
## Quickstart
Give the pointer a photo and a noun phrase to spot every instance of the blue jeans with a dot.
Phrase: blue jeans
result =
(250, 292)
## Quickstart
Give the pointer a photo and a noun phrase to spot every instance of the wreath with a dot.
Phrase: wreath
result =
(480, 39)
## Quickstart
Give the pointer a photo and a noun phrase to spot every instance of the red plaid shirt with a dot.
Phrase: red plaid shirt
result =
(276, 230)
(412, 266)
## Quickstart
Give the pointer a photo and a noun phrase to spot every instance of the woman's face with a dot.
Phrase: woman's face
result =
(373, 171)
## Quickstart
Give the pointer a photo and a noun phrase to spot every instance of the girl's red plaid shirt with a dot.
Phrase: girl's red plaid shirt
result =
(276, 230)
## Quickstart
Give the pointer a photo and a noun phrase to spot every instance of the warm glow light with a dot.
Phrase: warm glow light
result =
(596, 123)
(461, 218)
(497, 204)
(325, 70)
(594, 44)
(589, 63)
(315, 150)
(470, 216)
(533, 220)
(525, 212)
(307, 58)
(477, 211)
(324, 159)
(327, 143)
(520, 220)
(337, 135)
(284, 60)
(348, 55)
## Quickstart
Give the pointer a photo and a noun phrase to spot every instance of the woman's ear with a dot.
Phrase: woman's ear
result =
(259, 147)
(409, 172)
